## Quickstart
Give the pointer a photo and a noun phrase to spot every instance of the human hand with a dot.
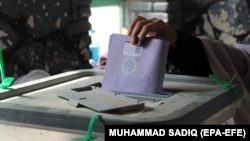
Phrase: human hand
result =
(103, 61)
(141, 27)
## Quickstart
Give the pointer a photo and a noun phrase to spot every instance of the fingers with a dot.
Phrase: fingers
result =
(133, 23)
(135, 28)
(141, 27)
(140, 31)
(151, 28)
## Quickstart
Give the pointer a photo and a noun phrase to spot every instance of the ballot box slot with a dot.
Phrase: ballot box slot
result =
(166, 92)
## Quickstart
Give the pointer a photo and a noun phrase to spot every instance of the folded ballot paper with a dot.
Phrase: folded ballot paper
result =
(135, 69)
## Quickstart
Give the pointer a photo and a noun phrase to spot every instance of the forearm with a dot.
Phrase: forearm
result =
(189, 56)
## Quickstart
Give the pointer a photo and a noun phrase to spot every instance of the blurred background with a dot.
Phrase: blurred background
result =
(62, 35)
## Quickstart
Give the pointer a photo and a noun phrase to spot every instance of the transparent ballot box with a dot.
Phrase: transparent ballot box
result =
(66, 102)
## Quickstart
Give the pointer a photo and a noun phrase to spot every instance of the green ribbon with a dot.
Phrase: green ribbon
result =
(89, 135)
(6, 81)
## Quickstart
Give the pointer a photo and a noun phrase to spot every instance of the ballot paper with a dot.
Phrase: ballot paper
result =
(135, 69)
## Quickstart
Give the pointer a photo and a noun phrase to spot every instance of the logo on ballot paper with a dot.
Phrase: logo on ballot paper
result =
(128, 65)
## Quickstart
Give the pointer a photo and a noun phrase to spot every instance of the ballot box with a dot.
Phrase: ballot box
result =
(60, 107)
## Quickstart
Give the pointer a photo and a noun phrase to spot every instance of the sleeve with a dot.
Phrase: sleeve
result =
(189, 56)
(225, 61)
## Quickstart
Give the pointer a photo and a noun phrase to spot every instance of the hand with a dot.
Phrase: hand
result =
(103, 61)
(141, 27)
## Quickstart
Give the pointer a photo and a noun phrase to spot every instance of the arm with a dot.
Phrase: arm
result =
(186, 51)
(198, 56)
(225, 62)
(189, 56)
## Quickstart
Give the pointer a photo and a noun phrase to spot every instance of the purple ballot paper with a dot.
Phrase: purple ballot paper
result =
(135, 69)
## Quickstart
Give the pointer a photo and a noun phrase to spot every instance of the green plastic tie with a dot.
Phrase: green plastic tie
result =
(223, 83)
(89, 135)
(228, 86)
(6, 81)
